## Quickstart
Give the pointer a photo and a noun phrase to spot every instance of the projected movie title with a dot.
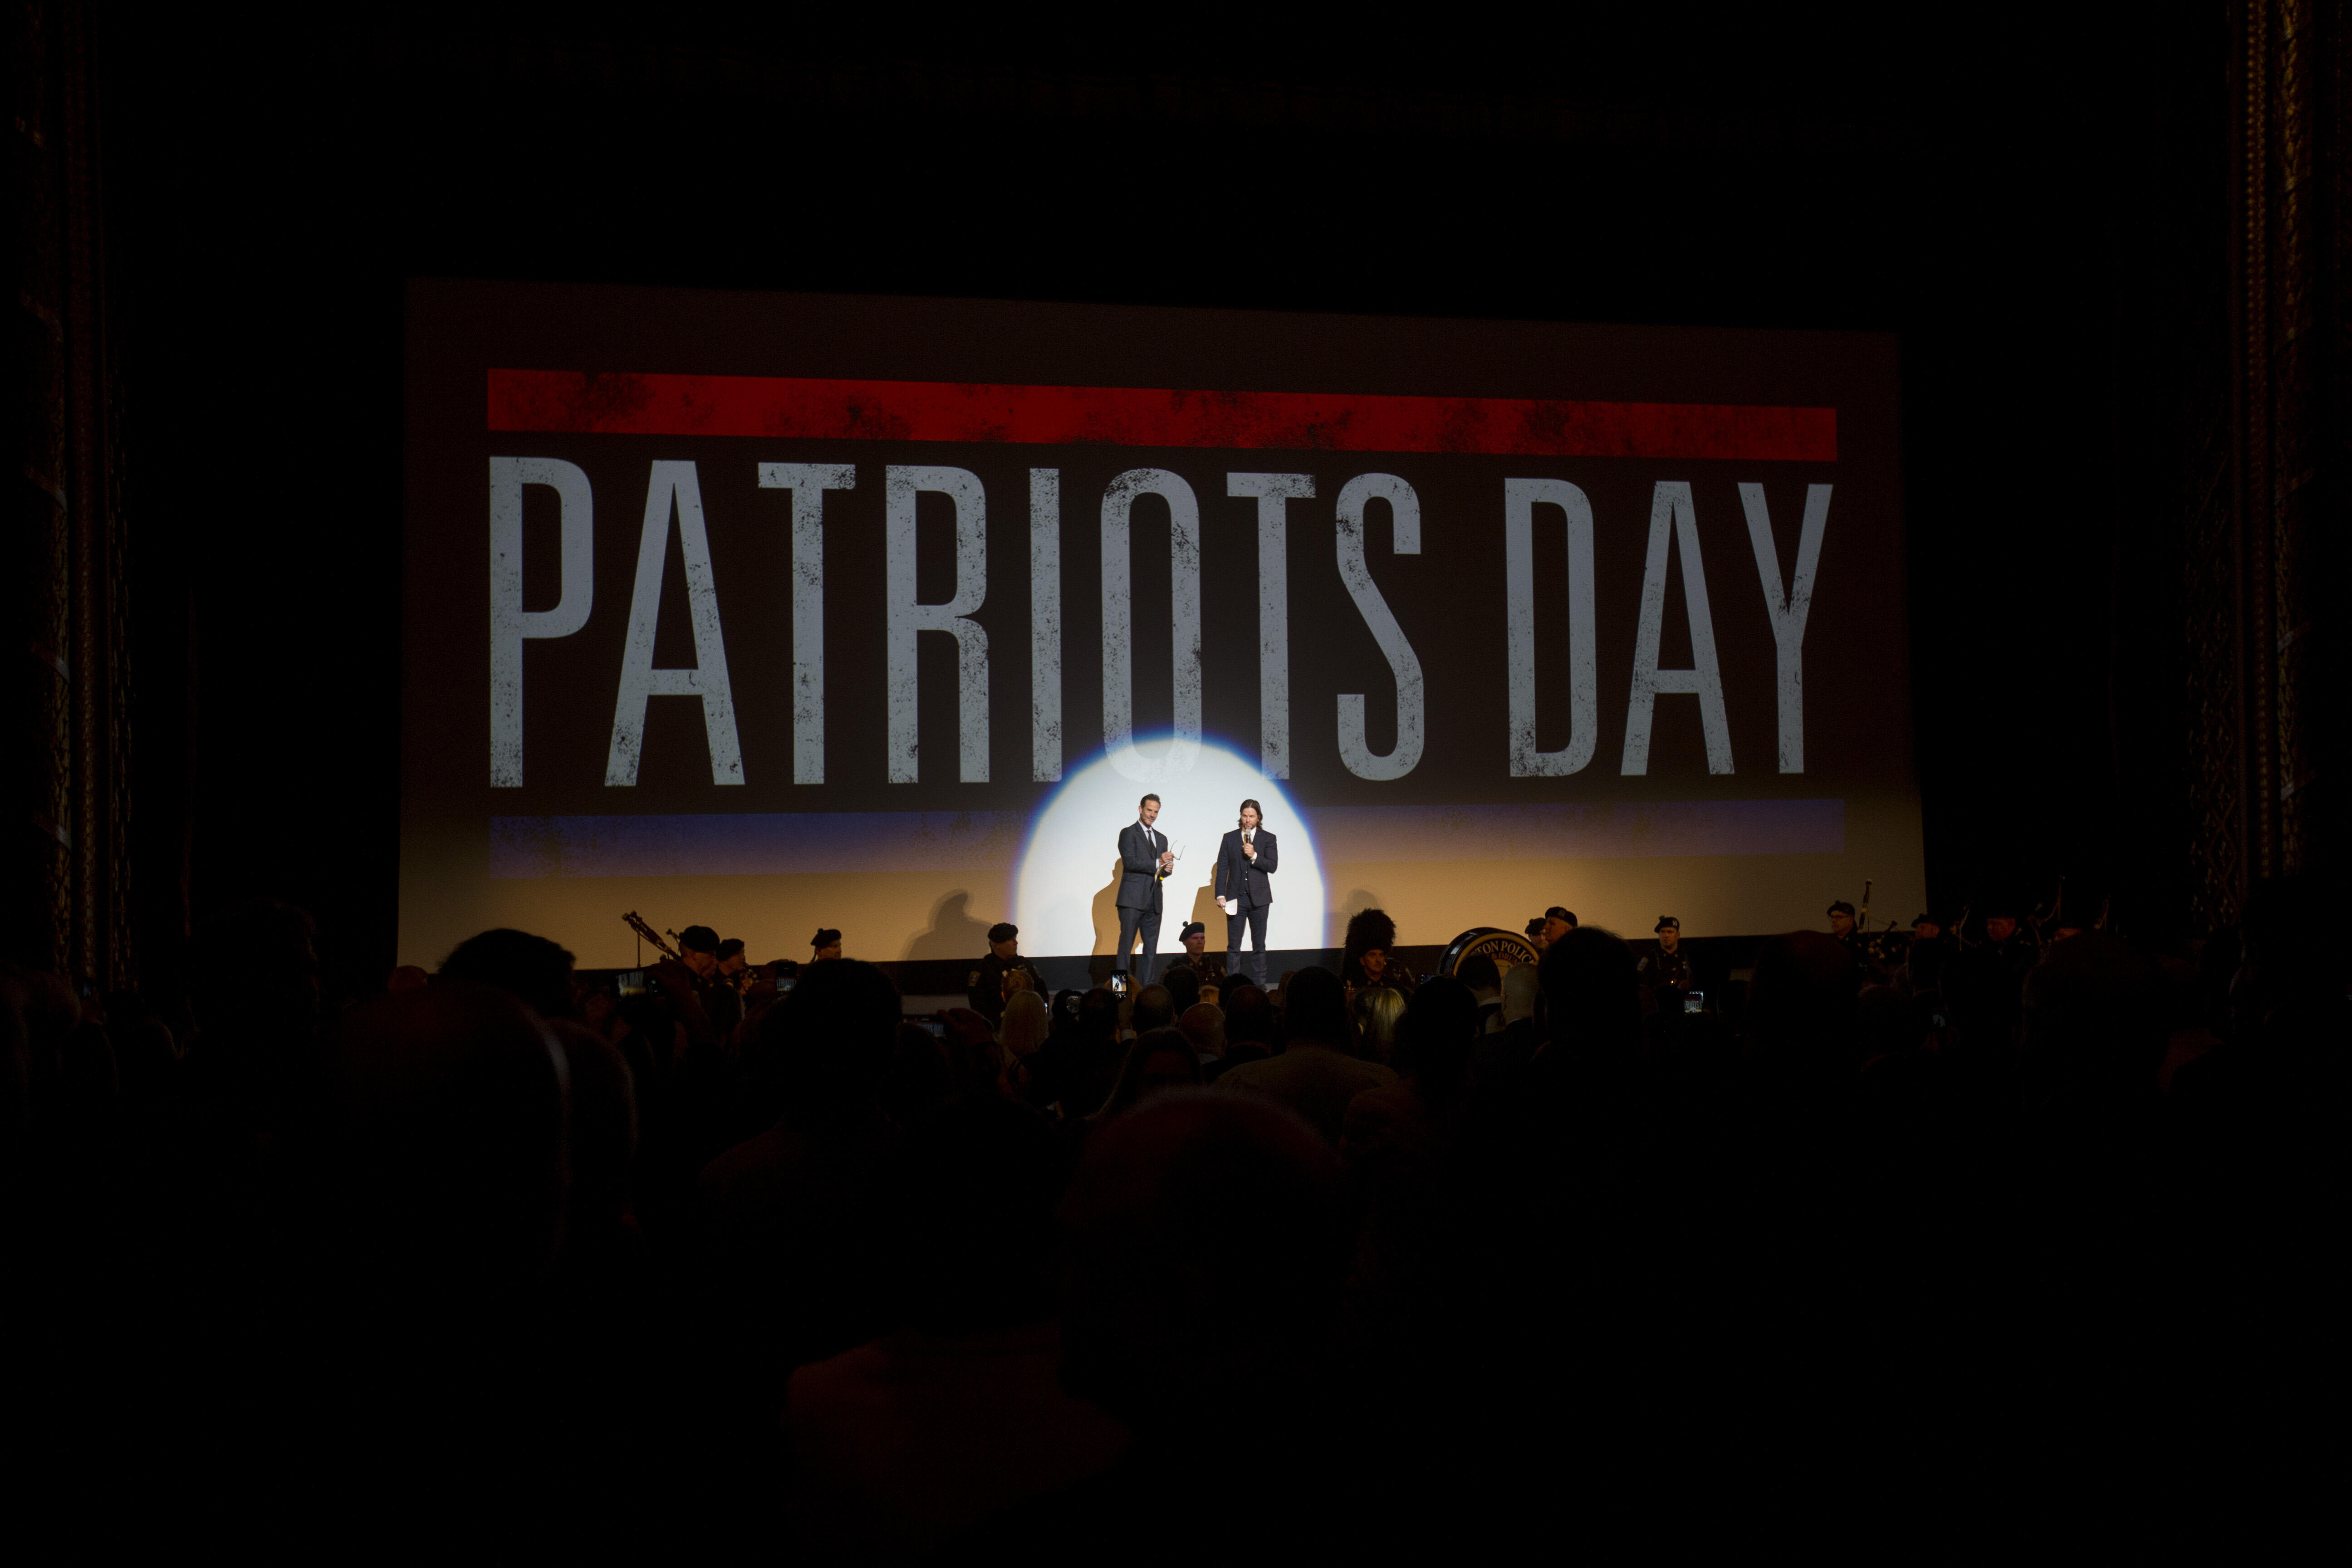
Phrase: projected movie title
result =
(1460, 520)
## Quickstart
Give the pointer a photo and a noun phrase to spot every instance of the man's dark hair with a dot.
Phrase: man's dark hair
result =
(1252, 805)
(1315, 1008)
(1800, 1007)
(1479, 972)
(2093, 1033)
(1147, 800)
(1200, 1197)
(1249, 1017)
(1098, 1014)
(971, 1194)
(531, 969)
(1434, 1039)
(698, 939)
(1183, 985)
(1154, 1009)
(443, 1147)
(829, 1041)
(1592, 994)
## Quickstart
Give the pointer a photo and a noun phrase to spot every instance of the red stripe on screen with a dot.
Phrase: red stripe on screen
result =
(586, 403)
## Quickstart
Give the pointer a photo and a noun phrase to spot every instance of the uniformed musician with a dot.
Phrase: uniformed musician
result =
(986, 996)
(1666, 969)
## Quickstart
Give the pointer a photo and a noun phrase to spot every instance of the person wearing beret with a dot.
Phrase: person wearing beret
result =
(1666, 969)
(824, 944)
(1208, 966)
(986, 992)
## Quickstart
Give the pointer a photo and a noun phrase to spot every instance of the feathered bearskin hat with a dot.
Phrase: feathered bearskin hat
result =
(1369, 929)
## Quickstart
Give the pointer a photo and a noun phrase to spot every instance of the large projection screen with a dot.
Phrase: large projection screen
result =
(771, 611)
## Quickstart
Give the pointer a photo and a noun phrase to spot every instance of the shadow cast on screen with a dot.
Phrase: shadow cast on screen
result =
(955, 934)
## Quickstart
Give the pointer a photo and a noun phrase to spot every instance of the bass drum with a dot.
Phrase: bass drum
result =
(1505, 947)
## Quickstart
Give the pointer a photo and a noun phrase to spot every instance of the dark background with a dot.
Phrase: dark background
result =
(2034, 204)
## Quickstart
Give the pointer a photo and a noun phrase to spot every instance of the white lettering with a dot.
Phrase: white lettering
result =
(511, 624)
(673, 481)
(1404, 511)
(1788, 613)
(1045, 624)
(1671, 508)
(808, 482)
(1274, 493)
(1183, 623)
(1520, 498)
(962, 487)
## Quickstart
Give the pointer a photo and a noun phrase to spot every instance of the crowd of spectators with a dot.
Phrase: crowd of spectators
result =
(1336, 1263)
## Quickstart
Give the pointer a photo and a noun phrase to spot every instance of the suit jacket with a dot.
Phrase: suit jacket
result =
(1139, 867)
(1240, 878)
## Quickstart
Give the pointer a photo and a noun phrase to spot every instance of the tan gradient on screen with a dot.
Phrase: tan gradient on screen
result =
(945, 914)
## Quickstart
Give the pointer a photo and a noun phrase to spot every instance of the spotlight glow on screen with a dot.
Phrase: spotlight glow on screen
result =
(1066, 888)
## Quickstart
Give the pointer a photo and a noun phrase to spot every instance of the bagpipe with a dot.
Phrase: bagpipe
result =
(637, 922)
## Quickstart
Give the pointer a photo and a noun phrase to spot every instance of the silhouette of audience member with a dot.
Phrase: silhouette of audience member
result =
(959, 1413)
(1394, 1142)
(600, 1239)
(253, 991)
(1026, 1023)
(1514, 1045)
(445, 1149)
(1080, 1063)
(1801, 1013)
(1314, 1077)
(1205, 1254)
(1252, 1030)
(1376, 1011)
(1159, 1061)
(531, 969)
(1182, 984)
(792, 1240)
(1155, 1009)
(1485, 979)
(1203, 1028)
(2092, 1040)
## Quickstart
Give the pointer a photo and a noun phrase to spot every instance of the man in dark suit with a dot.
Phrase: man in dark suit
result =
(1244, 860)
(1144, 862)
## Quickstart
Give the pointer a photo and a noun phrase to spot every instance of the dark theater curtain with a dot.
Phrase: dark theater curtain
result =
(2266, 481)
(65, 761)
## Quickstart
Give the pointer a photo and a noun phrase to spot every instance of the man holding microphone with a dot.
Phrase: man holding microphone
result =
(1244, 860)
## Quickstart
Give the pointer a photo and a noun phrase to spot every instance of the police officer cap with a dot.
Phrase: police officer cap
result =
(825, 937)
(1535, 926)
(698, 939)
(1557, 914)
(731, 948)
(1668, 922)
(1194, 929)
(1004, 930)
(1926, 919)
(1841, 908)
